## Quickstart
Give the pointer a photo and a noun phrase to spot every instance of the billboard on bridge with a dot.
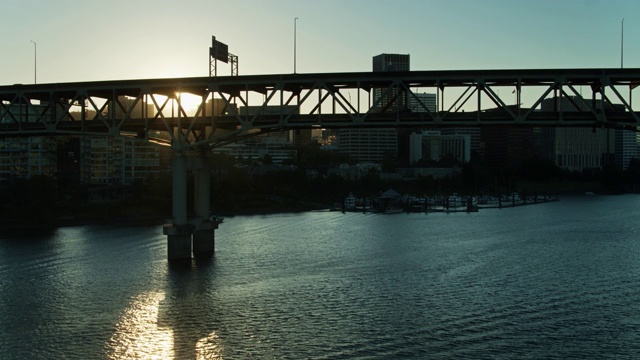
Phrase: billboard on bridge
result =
(218, 50)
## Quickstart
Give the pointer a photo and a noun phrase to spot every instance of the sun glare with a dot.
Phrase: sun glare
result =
(189, 102)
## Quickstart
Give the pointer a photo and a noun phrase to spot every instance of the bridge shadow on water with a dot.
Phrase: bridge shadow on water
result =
(189, 311)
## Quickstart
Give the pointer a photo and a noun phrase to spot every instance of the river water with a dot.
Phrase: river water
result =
(554, 280)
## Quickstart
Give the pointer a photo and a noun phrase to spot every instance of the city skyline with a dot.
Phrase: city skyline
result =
(151, 39)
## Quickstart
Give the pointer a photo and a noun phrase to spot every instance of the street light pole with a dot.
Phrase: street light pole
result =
(622, 45)
(295, 23)
(35, 62)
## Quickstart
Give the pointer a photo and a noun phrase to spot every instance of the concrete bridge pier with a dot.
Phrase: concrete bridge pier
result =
(191, 236)
(179, 232)
(204, 235)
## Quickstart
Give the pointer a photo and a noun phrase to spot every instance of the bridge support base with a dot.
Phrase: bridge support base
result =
(203, 243)
(178, 241)
(179, 247)
(204, 239)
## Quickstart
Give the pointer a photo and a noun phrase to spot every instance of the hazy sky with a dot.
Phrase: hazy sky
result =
(86, 40)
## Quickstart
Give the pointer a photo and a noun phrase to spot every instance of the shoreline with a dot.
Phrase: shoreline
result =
(12, 225)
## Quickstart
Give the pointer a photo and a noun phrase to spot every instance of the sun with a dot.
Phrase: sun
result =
(190, 103)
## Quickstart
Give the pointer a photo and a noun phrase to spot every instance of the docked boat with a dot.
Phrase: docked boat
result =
(454, 201)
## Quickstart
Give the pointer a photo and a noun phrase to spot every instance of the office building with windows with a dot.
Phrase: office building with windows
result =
(434, 146)
(578, 149)
(372, 145)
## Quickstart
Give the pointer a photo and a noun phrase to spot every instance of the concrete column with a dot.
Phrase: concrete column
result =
(179, 189)
(204, 236)
(179, 233)
(203, 192)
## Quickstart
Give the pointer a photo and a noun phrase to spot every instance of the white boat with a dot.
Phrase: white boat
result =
(513, 197)
(350, 202)
(454, 201)
(216, 219)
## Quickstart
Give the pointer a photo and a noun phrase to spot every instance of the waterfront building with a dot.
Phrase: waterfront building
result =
(24, 157)
(626, 148)
(579, 149)
(279, 145)
(474, 133)
(87, 159)
(421, 100)
(118, 161)
(433, 145)
(507, 146)
(368, 145)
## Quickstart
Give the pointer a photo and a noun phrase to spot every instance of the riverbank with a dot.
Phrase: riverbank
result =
(125, 213)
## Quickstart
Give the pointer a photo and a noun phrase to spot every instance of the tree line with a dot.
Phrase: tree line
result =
(243, 186)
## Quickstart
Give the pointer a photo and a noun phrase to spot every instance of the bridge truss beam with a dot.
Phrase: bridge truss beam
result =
(154, 110)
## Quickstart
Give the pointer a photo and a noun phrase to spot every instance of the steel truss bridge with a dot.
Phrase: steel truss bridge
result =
(224, 110)
(154, 110)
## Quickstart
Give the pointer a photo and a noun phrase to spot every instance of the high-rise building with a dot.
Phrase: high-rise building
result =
(419, 101)
(391, 62)
(385, 99)
(372, 145)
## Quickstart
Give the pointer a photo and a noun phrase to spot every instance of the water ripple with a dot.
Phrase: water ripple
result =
(554, 281)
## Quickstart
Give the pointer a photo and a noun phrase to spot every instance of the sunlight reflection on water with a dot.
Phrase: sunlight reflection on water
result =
(141, 333)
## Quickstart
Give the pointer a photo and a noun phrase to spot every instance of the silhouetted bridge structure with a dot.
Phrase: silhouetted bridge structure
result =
(224, 110)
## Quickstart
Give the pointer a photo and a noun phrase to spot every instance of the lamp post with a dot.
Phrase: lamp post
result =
(295, 23)
(622, 45)
(35, 62)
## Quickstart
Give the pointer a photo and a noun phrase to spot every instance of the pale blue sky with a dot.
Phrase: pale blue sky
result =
(86, 40)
